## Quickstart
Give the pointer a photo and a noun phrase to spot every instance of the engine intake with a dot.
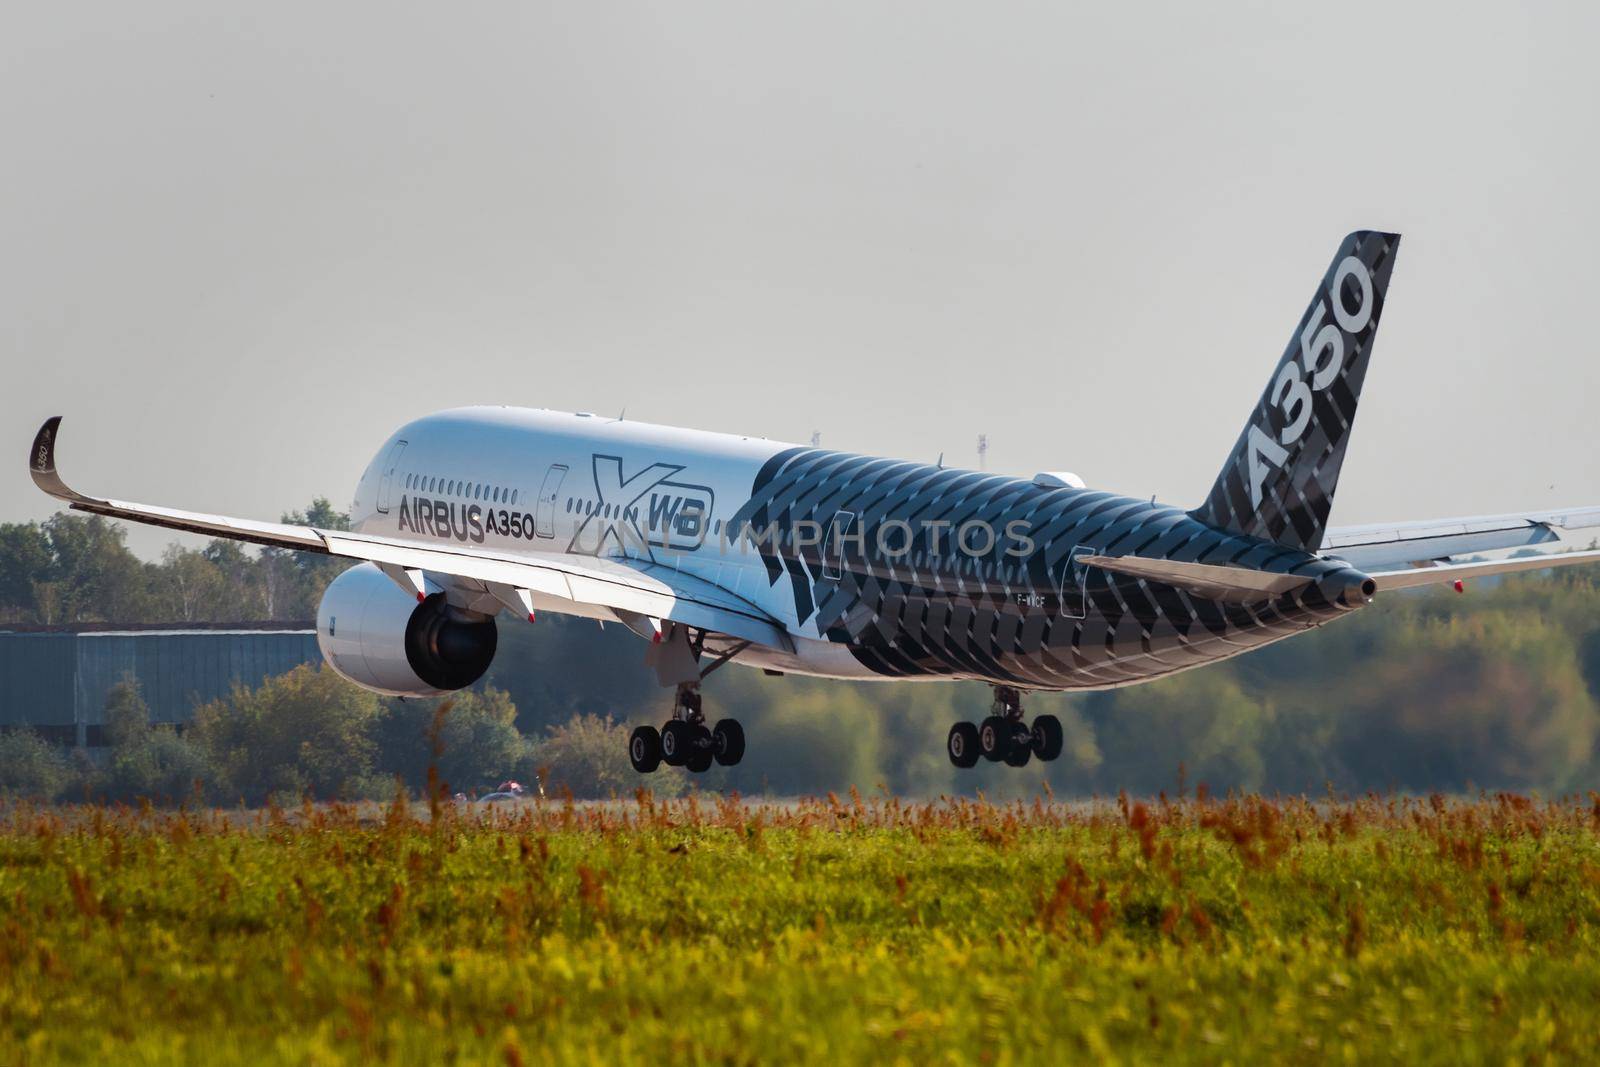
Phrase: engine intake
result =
(374, 634)
(445, 652)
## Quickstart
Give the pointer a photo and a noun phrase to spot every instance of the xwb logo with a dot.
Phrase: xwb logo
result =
(642, 511)
(678, 516)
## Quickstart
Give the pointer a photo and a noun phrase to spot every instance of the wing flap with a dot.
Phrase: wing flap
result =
(622, 586)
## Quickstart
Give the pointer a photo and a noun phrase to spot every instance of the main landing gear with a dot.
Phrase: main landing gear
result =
(1004, 735)
(685, 741)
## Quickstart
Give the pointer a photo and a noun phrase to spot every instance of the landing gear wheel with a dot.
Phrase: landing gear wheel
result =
(994, 738)
(644, 749)
(727, 741)
(1047, 739)
(699, 753)
(677, 742)
(1018, 755)
(962, 745)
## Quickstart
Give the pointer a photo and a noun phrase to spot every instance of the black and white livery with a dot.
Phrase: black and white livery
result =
(721, 549)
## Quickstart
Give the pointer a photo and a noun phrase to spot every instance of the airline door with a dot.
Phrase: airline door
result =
(1074, 597)
(544, 512)
(386, 484)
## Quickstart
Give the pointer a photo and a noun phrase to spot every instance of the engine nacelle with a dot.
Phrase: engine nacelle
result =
(376, 635)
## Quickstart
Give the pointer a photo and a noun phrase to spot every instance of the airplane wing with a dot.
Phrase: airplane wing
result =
(661, 594)
(42, 465)
(1244, 584)
(1454, 572)
(1372, 548)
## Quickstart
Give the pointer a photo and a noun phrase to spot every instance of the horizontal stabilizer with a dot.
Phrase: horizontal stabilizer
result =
(1229, 584)
(1455, 572)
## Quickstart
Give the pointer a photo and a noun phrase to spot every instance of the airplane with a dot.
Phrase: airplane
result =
(719, 548)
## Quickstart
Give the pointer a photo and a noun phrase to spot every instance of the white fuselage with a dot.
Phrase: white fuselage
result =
(516, 481)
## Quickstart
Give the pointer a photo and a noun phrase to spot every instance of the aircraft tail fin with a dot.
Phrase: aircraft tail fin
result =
(1278, 482)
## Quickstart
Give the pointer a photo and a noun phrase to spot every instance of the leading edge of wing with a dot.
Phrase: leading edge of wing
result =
(1453, 572)
(1379, 532)
(1379, 545)
(42, 466)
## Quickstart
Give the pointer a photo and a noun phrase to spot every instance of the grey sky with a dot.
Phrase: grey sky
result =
(238, 247)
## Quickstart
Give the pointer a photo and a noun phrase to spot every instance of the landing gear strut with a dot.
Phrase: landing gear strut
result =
(1004, 735)
(685, 740)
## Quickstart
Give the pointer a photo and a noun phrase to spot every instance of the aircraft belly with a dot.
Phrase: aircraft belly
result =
(1102, 665)
(811, 658)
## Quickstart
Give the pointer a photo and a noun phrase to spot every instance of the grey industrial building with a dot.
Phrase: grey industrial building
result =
(55, 679)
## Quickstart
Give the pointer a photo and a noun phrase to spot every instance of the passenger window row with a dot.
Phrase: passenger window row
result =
(588, 508)
(605, 511)
(428, 483)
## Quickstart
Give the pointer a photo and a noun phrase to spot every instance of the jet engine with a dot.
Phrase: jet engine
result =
(379, 637)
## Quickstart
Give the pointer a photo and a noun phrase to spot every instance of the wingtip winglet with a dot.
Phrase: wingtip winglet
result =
(42, 461)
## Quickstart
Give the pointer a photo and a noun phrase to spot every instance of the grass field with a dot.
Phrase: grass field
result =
(718, 931)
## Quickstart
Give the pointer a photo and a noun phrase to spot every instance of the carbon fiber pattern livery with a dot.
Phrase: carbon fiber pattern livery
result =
(888, 583)
(1278, 482)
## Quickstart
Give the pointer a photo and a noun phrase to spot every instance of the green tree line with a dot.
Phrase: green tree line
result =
(309, 733)
(1425, 690)
(78, 568)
